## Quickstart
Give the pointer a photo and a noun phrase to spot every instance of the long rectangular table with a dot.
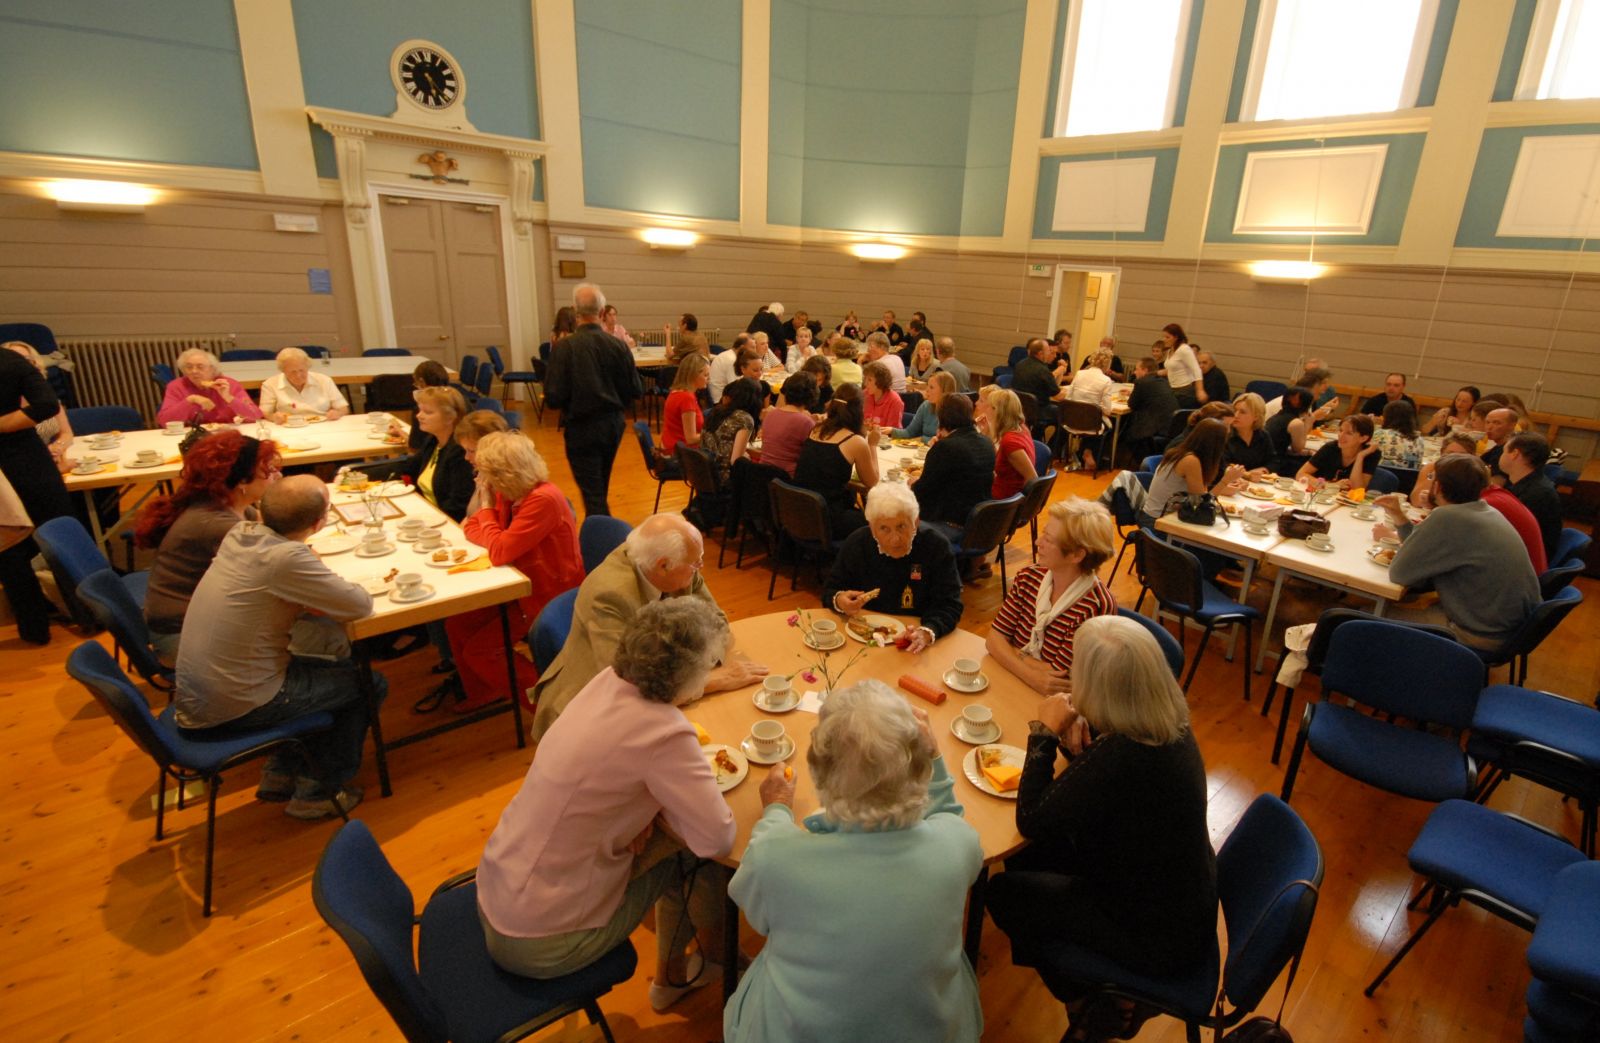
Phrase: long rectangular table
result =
(359, 370)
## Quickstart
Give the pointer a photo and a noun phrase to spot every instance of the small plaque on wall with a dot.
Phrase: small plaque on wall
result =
(320, 280)
(574, 269)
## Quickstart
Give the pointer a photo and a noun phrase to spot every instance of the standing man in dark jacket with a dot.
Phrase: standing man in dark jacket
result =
(1215, 381)
(1150, 408)
(769, 320)
(592, 380)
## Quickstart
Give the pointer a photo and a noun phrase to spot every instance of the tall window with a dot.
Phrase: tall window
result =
(1316, 58)
(1563, 46)
(1121, 69)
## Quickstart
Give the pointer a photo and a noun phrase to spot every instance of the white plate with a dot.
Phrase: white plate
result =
(748, 748)
(1257, 496)
(790, 701)
(958, 729)
(726, 782)
(392, 488)
(1373, 552)
(951, 679)
(79, 473)
(362, 552)
(174, 434)
(137, 466)
(969, 765)
(450, 564)
(423, 594)
(1326, 548)
(873, 619)
(838, 643)
(338, 543)
(377, 586)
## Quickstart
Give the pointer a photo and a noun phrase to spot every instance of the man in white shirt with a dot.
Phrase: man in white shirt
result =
(723, 367)
(878, 351)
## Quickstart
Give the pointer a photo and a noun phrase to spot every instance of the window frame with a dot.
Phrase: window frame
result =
(1537, 62)
(1410, 86)
(1069, 57)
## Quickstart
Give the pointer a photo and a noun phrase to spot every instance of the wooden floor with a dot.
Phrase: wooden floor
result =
(103, 936)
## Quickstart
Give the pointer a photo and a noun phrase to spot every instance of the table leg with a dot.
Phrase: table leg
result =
(1377, 606)
(974, 930)
(369, 692)
(1266, 629)
(511, 675)
(94, 517)
(730, 948)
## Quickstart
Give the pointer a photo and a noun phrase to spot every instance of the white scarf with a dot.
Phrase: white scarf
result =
(1044, 612)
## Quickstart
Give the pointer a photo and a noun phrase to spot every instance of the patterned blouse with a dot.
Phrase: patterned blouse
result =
(1014, 622)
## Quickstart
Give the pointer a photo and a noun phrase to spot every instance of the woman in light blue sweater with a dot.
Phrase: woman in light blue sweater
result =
(925, 422)
(862, 909)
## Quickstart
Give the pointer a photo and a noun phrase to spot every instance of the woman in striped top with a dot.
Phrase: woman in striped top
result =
(1032, 634)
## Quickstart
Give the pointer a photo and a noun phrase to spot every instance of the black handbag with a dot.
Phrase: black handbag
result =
(1197, 509)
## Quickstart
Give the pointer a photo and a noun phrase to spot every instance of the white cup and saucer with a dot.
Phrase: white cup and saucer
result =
(966, 675)
(776, 695)
(1320, 541)
(174, 427)
(146, 458)
(412, 529)
(88, 465)
(429, 540)
(975, 725)
(408, 587)
(1363, 512)
(767, 743)
(104, 441)
(374, 544)
(1255, 528)
(1284, 483)
(824, 635)
(295, 420)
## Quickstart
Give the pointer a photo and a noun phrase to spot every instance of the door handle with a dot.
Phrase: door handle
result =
(444, 336)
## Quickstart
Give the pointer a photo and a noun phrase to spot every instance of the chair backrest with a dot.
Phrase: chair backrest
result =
(1173, 573)
(390, 391)
(93, 667)
(1333, 618)
(1144, 478)
(1169, 644)
(1122, 511)
(94, 420)
(647, 446)
(1269, 873)
(316, 351)
(698, 470)
(1030, 407)
(599, 535)
(1179, 421)
(1150, 463)
(988, 524)
(468, 369)
(498, 363)
(108, 598)
(1383, 481)
(483, 380)
(1035, 494)
(1547, 615)
(162, 374)
(550, 630)
(801, 513)
(1080, 418)
(372, 353)
(39, 337)
(1267, 389)
(1572, 543)
(70, 550)
(363, 899)
(1002, 379)
(248, 355)
(1553, 581)
(1018, 353)
(1402, 670)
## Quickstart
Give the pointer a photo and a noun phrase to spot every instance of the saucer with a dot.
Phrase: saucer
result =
(337, 543)
(784, 752)
(423, 593)
(760, 698)
(416, 545)
(139, 464)
(838, 642)
(950, 678)
(406, 537)
(448, 563)
(362, 552)
(173, 434)
(81, 473)
(958, 728)
(1326, 548)
(1259, 531)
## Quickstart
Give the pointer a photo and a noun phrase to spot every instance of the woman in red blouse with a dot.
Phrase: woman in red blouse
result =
(681, 417)
(1032, 634)
(1013, 458)
(522, 519)
(881, 403)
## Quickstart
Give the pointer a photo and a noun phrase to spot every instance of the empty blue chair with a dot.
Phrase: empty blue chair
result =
(162, 374)
(1042, 457)
(1553, 581)
(1552, 741)
(94, 420)
(989, 524)
(599, 535)
(1267, 389)
(550, 630)
(114, 608)
(1564, 995)
(1150, 463)
(73, 557)
(1002, 379)
(1572, 544)
(248, 355)
(1175, 577)
(532, 378)
(451, 989)
(316, 351)
(372, 353)
(182, 755)
(483, 381)
(1383, 481)
(469, 369)
(1169, 644)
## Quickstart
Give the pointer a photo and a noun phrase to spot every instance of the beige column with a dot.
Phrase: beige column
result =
(277, 97)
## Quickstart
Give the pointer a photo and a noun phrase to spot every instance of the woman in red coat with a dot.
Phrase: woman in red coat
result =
(522, 519)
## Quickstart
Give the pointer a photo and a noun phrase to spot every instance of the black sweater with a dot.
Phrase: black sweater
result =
(452, 476)
(956, 477)
(928, 572)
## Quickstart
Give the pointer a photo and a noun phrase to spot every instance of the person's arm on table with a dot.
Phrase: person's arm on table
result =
(237, 398)
(683, 784)
(534, 518)
(1048, 804)
(304, 580)
(941, 611)
(1035, 673)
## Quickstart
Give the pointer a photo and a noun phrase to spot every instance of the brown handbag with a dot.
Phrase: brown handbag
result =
(1297, 525)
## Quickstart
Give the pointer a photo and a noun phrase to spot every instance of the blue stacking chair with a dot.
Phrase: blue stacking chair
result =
(1564, 995)
(1572, 544)
(1035, 496)
(1125, 517)
(316, 351)
(483, 380)
(550, 630)
(1169, 644)
(1042, 457)
(1499, 862)
(94, 420)
(1017, 354)
(447, 987)
(800, 518)
(1267, 389)
(373, 353)
(1553, 581)
(1535, 735)
(511, 377)
(1269, 873)
(468, 370)
(73, 557)
(1546, 616)
(1175, 577)
(1383, 481)
(599, 535)
(248, 355)
(1150, 463)
(1002, 376)
(663, 471)
(1403, 672)
(989, 525)
(107, 597)
(183, 755)
(162, 374)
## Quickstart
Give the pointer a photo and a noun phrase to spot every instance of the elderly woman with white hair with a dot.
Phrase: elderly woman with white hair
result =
(299, 391)
(576, 861)
(862, 908)
(1119, 860)
(898, 566)
(201, 394)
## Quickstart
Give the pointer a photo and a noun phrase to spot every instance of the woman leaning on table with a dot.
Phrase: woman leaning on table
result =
(1195, 466)
(298, 390)
(1119, 859)
(439, 467)
(862, 907)
(1350, 459)
(202, 394)
(577, 860)
(25, 461)
(1033, 631)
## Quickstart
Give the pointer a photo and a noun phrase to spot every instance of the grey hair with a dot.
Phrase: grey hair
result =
(944, 347)
(1121, 682)
(292, 355)
(669, 648)
(659, 537)
(871, 759)
(197, 351)
(892, 500)
(776, 308)
(878, 339)
(587, 299)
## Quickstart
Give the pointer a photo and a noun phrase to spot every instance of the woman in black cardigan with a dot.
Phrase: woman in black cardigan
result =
(439, 468)
(1120, 859)
(28, 466)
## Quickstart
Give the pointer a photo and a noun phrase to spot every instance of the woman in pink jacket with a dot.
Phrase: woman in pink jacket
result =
(203, 393)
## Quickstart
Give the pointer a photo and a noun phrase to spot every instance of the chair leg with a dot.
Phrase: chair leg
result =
(1488, 784)
(161, 800)
(1205, 639)
(1433, 917)
(1272, 692)
(773, 565)
(1114, 565)
(1248, 658)
(211, 837)
(1283, 723)
(660, 484)
(1294, 758)
(596, 1017)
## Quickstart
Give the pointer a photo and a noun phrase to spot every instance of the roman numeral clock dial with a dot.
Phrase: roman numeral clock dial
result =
(428, 77)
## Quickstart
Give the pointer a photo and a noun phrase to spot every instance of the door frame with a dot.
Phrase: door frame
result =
(1109, 304)
(380, 259)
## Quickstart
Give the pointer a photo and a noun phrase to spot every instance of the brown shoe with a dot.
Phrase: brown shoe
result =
(313, 810)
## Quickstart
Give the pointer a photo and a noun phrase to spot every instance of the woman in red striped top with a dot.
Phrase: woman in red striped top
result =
(1032, 634)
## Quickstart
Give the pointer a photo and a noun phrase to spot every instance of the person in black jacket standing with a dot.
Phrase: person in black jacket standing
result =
(28, 466)
(592, 379)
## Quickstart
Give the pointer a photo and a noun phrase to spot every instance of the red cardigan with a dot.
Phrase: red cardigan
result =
(538, 535)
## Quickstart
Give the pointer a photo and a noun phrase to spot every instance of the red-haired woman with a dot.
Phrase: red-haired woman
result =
(223, 475)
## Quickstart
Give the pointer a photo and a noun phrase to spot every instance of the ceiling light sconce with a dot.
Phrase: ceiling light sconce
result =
(105, 196)
(669, 238)
(1301, 272)
(878, 251)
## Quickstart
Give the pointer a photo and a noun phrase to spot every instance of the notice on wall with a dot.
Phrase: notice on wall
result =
(320, 280)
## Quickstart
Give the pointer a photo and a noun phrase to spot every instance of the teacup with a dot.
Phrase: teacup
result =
(1255, 529)
(977, 720)
(412, 526)
(766, 737)
(373, 540)
(966, 671)
(377, 419)
(174, 426)
(430, 541)
(1389, 541)
(295, 420)
(102, 441)
(824, 632)
(1284, 483)
(1364, 512)
(408, 584)
(1319, 540)
(88, 465)
(776, 689)
(895, 475)
(148, 456)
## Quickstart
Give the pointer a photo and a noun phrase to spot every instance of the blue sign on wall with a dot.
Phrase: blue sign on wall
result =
(321, 280)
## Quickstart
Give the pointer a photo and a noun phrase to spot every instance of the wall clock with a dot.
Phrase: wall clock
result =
(427, 76)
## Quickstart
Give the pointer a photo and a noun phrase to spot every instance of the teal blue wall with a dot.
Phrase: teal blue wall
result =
(160, 83)
(1505, 84)
(345, 47)
(1491, 180)
(892, 115)
(1388, 212)
(1191, 41)
(1155, 225)
(658, 90)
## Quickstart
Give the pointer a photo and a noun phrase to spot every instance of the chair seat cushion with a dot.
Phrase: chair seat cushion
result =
(1467, 846)
(196, 750)
(513, 376)
(1561, 1013)
(1189, 996)
(480, 1001)
(1397, 758)
(1217, 607)
(1508, 713)
(1563, 949)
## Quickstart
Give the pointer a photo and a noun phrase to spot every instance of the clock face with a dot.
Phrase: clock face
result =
(429, 77)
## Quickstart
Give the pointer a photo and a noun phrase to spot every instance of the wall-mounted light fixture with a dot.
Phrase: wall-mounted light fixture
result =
(878, 251)
(669, 238)
(1286, 271)
(109, 196)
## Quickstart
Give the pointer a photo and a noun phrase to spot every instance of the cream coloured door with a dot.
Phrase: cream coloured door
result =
(477, 279)
(446, 277)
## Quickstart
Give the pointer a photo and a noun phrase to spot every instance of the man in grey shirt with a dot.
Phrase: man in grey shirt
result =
(945, 349)
(236, 670)
(1469, 553)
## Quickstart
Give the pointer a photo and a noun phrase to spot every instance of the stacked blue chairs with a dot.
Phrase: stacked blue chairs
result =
(1540, 736)
(1564, 995)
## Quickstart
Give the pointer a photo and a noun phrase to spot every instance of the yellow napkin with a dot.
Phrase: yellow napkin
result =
(477, 564)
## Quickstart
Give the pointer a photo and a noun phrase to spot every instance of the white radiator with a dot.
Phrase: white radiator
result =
(115, 371)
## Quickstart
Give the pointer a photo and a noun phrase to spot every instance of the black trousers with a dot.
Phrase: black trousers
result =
(592, 445)
(26, 463)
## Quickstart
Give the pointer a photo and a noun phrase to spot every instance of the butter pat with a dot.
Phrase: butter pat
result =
(701, 734)
(1003, 777)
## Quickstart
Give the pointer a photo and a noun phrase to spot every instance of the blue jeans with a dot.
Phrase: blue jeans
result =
(313, 685)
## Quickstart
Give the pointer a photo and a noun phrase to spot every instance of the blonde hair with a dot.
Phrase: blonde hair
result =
(292, 355)
(480, 423)
(1005, 408)
(510, 464)
(1255, 404)
(1121, 682)
(690, 368)
(1086, 526)
(1101, 359)
(443, 398)
(944, 381)
(871, 759)
(845, 348)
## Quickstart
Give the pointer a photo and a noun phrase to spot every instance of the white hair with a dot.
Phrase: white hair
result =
(292, 355)
(1121, 682)
(182, 355)
(776, 308)
(892, 500)
(870, 758)
(587, 299)
(660, 537)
